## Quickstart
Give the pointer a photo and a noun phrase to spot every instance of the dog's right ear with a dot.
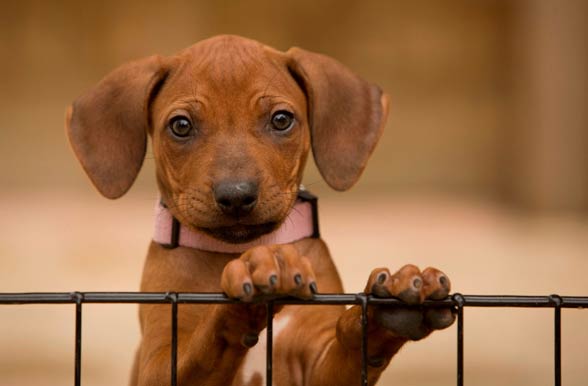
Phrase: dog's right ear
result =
(107, 126)
(346, 115)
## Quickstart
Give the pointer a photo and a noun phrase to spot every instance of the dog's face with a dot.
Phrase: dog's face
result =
(231, 123)
(230, 139)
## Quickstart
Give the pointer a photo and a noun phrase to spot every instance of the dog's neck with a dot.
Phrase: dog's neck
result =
(301, 222)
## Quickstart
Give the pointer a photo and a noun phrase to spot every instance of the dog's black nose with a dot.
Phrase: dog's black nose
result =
(236, 198)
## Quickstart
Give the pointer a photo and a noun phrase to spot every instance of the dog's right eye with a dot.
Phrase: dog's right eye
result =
(282, 120)
(180, 126)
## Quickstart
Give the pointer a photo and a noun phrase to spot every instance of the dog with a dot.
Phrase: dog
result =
(231, 123)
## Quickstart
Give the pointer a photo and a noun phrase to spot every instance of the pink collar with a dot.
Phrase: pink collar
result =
(300, 223)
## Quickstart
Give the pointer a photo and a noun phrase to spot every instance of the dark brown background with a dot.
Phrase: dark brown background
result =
(482, 170)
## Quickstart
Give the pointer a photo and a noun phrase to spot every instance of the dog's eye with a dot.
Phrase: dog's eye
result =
(180, 126)
(282, 120)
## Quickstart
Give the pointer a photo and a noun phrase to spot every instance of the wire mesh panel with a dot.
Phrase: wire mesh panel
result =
(457, 301)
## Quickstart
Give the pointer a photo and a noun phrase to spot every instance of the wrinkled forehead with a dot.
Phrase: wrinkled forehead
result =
(234, 70)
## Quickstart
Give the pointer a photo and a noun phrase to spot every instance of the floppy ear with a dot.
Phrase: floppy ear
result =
(347, 116)
(107, 126)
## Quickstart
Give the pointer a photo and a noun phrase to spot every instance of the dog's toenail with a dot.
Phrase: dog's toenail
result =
(443, 281)
(382, 278)
(298, 279)
(249, 340)
(273, 279)
(313, 287)
(417, 283)
(247, 288)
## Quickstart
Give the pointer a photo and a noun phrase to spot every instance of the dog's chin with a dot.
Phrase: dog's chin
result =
(238, 234)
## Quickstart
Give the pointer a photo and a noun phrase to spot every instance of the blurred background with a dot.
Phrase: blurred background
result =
(482, 171)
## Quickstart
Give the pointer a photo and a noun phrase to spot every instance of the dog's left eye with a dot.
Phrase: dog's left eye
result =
(180, 126)
(282, 120)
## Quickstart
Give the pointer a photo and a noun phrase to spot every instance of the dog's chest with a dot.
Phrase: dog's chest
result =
(253, 368)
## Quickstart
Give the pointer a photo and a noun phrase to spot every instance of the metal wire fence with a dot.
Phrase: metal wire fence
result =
(457, 301)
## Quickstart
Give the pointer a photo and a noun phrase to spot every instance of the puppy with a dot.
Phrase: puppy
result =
(232, 122)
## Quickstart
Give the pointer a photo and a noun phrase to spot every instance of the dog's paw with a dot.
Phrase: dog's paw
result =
(273, 270)
(413, 287)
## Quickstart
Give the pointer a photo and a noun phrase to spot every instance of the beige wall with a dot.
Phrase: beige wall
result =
(460, 74)
(550, 114)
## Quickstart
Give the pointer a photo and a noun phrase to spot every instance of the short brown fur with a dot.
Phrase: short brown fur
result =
(229, 87)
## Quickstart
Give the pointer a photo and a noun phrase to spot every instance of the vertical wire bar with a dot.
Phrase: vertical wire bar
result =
(557, 338)
(174, 339)
(459, 299)
(557, 346)
(269, 344)
(78, 350)
(364, 339)
(460, 346)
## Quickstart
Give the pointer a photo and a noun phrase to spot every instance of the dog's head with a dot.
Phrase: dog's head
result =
(231, 122)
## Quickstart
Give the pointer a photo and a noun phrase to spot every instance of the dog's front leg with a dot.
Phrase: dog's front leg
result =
(389, 327)
(214, 339)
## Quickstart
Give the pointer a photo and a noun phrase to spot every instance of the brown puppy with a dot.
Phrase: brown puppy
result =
(232, 122)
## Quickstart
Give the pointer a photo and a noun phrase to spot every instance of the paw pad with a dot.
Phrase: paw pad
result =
(249, 340)
(413, 287)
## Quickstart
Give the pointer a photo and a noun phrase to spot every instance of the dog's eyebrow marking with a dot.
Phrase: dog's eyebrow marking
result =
(254, 362)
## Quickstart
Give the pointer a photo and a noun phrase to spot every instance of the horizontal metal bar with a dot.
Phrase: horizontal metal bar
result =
(32, 298)
(319, 299)
(521, 301)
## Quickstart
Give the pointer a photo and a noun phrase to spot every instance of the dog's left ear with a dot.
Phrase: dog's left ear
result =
(107, 126)
(346, 115)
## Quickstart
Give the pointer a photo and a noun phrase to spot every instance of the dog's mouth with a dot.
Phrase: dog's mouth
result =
(240, 233)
